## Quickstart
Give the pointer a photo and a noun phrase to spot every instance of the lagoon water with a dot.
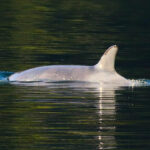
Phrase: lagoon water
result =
(74, 115)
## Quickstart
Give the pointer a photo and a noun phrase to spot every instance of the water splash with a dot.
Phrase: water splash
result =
(4, 76)
(140, 82)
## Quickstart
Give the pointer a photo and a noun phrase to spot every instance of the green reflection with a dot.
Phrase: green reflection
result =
(35, 33)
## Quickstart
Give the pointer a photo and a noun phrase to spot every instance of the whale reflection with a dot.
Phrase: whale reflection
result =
(104, 102)
(107, 116)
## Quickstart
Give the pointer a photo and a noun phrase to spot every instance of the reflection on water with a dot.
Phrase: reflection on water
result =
(58, 116)
(107, 112)
(73, 116)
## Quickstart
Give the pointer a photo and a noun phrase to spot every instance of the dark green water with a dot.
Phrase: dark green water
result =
(71, 116)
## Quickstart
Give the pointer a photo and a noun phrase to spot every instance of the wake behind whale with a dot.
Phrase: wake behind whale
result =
(103, 72)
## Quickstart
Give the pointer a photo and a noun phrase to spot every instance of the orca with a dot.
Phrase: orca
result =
(103, 72)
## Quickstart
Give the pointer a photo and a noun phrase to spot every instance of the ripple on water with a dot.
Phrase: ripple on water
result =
(140, 82)
(4, 75)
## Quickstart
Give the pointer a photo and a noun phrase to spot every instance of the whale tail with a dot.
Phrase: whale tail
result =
(107, 61)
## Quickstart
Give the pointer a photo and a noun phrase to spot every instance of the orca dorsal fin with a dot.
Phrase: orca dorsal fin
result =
(107, 61)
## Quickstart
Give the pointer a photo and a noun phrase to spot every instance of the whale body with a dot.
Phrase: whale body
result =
(103, 72)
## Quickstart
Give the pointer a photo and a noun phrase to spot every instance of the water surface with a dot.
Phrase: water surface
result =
(73, 115)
